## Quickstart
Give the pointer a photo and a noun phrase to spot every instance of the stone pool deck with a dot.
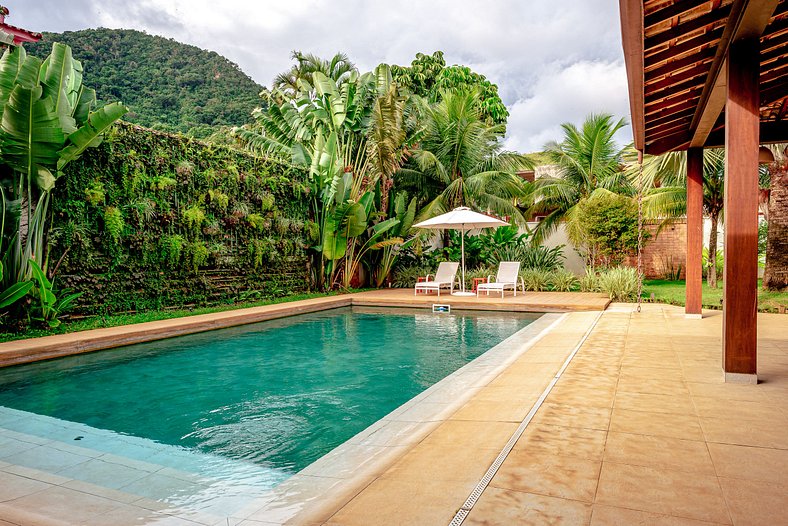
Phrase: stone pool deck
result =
(637, 428)
(47, 347)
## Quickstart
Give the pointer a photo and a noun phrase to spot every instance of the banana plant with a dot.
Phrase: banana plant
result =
(391, 247)
(47, 119)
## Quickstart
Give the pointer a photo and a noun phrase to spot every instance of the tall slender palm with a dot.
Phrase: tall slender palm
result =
(338, 68)
(665, 186)
(775, 275)
(588, 159)
(459, 161)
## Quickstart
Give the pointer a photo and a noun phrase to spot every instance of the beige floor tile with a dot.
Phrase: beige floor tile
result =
(660, 452)
(653, 386)
(662, 491)
(656, 424)
(558, 441)
(750, 463)
(461, 433)
(59, 503)
(570, 416)
(13, 486)
(455, 464)
(498, 507)
(654, 403)
(751, 393)
(745, 432)
(565, 477)
(580, 396)
(739, 409)
(494, 411)
(401, 502)
(612, 516)
(755, 503)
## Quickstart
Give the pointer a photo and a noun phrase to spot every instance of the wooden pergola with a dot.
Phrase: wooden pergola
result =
(713, 73)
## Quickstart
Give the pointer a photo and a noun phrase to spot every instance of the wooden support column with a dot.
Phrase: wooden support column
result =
(694, 265)
(740, 298)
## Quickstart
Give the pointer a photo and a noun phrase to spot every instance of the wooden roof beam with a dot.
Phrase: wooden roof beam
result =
(772, 132)
(747, 19)
(632, 37)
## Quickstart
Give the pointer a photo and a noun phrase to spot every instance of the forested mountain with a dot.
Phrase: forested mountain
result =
(166, 85)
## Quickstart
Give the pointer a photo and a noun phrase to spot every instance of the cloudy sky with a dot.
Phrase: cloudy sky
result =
(554, 60)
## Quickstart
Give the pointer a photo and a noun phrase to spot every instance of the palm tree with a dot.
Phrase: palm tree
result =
(665, 183)
(775, 275)
(459, 161)
(588, 159)
(338, 68)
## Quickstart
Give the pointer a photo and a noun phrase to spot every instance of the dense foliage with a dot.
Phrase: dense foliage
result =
(167, 85)
(604, 228)
(154, 221)
(48, 119)
(429, 77)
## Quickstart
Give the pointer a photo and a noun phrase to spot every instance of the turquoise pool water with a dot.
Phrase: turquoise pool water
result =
(280, 393)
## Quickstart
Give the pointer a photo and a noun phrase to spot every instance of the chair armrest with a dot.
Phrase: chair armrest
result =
(522, 283)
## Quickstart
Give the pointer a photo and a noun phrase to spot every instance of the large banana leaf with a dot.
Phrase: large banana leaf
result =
(57, 79)
(16, 68)
(31, 132)
(327, 88)
(85, 100)
(91, 133)
(14, 293)
(347, 221)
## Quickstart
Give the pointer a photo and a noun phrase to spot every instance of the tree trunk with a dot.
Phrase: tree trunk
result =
(711, 272)
(775, 275)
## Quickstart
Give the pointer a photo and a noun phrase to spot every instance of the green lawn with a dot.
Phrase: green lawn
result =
(673, 292)
(101, 322)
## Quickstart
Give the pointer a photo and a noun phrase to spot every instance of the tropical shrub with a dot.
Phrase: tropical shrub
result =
(114, 223)
(48, 120)
(405, 277)
(619, 283)
(590, 281)
(563, 281)
(536, 279)
(604, 228)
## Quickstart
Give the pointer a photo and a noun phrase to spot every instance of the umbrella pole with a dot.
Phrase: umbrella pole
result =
(462, 245)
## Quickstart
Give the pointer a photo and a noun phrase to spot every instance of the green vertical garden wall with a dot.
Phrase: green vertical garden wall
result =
(153, 221)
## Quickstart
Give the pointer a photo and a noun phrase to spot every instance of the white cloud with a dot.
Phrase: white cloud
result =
(568, 94)
(553, 60)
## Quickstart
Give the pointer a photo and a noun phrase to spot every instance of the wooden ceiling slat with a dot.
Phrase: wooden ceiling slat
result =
(774, 91)
(776, 51)
(667, 129)
(675, 97)
(672, 80)
(714, 18)
(675, 65)
(774, 73)
(691, 82)
(659, 111)
(685, 47)
(670, 118)
(679, 141)
(668, 12)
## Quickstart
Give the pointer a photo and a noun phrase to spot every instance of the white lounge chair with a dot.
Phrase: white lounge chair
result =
(444, 277)
(507, 278)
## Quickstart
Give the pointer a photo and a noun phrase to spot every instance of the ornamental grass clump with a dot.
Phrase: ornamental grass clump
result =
(535, 280)
(563, 281)
(620, 283)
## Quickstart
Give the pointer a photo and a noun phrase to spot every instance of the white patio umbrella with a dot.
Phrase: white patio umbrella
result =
(463, 219)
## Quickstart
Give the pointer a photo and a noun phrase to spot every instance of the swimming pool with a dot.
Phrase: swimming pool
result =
(279, 394)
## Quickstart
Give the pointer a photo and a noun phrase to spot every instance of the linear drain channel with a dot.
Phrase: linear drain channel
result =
(470, 502)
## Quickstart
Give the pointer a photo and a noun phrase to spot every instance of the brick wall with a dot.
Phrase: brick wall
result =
(664, 250)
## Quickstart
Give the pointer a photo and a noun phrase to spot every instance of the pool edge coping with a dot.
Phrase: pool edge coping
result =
(18, 352)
